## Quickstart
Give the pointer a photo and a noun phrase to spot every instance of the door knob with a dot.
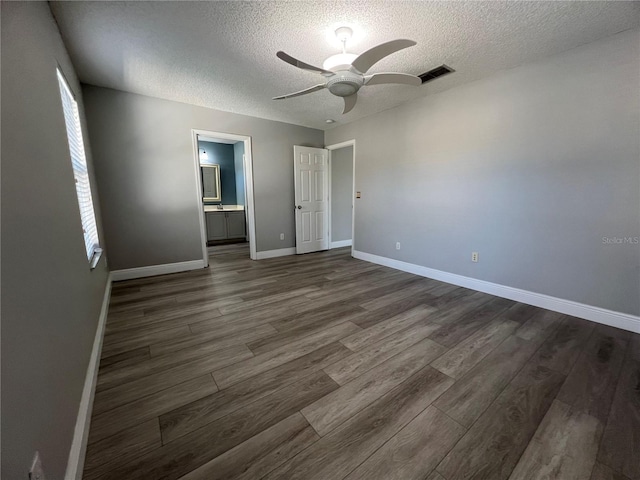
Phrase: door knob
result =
(299, 207)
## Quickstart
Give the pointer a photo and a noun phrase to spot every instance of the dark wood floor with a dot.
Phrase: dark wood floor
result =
(326, 367)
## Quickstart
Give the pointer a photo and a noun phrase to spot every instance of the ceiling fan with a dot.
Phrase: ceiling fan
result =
(345, 73)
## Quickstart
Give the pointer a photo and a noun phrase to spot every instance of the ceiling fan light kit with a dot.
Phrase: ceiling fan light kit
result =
(339, 60)
(345, 83)
(345, 73)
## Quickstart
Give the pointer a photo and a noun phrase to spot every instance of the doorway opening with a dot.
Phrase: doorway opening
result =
(224, 188)
(342, 169)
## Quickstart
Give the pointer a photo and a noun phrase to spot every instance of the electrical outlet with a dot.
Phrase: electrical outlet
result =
(282, 236)
(397, 245)
(474, 256)
(36, 472)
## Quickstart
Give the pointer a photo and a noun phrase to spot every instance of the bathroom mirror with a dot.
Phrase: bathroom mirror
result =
(210, 183)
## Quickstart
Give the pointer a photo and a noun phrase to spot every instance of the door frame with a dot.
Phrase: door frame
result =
(336, 146)
(249, 207)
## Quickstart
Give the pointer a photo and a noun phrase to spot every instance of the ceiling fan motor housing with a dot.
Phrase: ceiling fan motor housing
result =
(345, 83)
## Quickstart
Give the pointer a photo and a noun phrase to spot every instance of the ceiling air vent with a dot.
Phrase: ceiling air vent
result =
(435, 73)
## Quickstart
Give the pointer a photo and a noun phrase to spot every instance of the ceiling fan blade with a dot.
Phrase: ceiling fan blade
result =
(300, 64)
(315, 88)
(367, 59)
(349, 103)
(383, 78)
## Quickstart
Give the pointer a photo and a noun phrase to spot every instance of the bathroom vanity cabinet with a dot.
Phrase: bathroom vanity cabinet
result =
(224, 225)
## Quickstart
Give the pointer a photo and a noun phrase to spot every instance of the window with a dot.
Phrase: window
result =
(79, 163)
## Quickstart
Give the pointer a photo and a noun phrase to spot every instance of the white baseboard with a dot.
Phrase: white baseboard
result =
(282, 252)
(569, 307)
(341, 243)
(75, 464)
(153, 270)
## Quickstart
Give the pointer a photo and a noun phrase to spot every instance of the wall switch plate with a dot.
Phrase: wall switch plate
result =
(36, 472)
(474, 256)
(397, 245)
(282, 236)
(358, 194)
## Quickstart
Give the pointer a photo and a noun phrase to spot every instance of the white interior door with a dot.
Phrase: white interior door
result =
(311, 195)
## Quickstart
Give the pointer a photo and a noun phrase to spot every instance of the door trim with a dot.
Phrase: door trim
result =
(336, 146)
(249, 207)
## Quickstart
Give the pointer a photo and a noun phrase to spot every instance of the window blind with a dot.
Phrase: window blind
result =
(80, 172)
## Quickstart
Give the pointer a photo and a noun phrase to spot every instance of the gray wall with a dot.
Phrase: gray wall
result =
(144, 163)
(531, 168)
(50, 299)
(238, 152)
(222, 154)
(341, 193)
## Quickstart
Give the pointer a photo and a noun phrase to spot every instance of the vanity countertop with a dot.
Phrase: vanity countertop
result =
(225, 208)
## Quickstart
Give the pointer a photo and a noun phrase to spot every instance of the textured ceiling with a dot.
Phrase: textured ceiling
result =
(222, 54)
